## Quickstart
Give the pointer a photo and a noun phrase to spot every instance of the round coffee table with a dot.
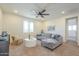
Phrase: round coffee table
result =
(30, 42)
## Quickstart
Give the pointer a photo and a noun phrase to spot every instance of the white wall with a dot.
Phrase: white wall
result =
(59, 26)
(0, 21)
(78, 32)
(14, 25)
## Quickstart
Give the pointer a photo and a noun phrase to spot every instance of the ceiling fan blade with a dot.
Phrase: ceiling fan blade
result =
(43, 11)
(45, 14)
(39, 13)
(36, 13)
(42, 16)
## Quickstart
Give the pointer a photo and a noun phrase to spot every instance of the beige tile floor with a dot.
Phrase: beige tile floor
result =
(66, 49)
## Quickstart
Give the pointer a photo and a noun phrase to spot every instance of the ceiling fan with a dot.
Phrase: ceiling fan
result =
(42, 13)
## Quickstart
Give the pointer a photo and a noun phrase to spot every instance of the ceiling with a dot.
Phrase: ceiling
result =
(28, 9)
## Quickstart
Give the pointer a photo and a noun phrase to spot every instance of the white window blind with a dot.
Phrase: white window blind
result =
(28, 26)
(72, 27)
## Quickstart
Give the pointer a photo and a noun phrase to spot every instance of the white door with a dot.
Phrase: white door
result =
(72, 29)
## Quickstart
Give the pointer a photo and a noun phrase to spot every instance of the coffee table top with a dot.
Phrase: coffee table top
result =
(31, 39)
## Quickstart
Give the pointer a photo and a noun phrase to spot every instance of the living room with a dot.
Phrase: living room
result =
(25, 22)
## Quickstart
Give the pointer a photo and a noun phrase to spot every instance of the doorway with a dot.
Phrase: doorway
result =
(71, 29)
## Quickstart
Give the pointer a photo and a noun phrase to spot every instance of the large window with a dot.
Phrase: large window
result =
(28, 26)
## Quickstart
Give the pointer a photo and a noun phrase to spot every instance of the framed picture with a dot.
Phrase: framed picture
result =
(51, 28)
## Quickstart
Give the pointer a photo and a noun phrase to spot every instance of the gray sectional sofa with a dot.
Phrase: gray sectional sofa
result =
(4, 44)
(50, 41)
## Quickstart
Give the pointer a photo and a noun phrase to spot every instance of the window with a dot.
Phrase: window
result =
(31, 26)
(72, 27)
(28, 26)
(25, 26)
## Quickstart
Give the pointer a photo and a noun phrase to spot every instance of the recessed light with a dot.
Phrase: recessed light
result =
(15, 11)
(63, 12)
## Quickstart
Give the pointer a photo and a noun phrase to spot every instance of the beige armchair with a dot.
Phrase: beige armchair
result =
(15, 41)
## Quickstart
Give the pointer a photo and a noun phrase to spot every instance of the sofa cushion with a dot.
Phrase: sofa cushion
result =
(50, 41)
(56, 36)
(52, 36)
(47, 35)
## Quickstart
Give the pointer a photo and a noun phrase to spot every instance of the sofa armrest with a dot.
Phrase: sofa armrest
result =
(60, 39)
